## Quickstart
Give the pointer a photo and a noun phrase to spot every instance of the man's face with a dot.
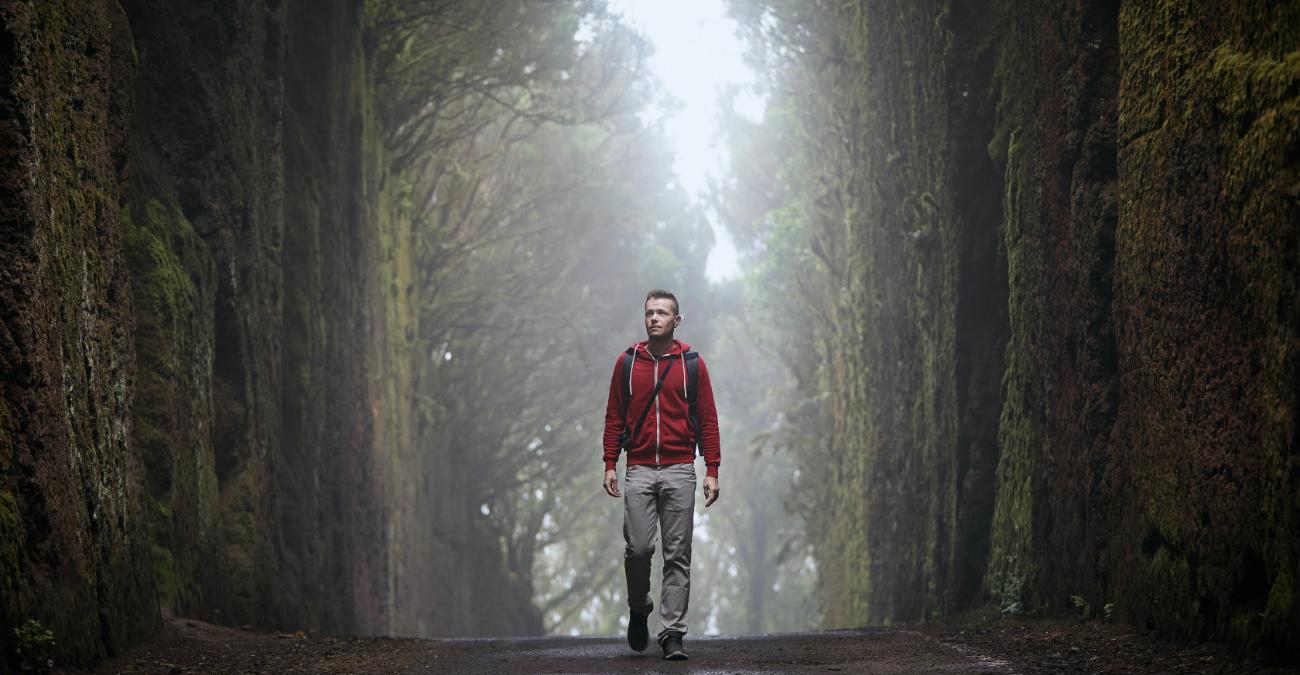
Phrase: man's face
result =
(660, 318)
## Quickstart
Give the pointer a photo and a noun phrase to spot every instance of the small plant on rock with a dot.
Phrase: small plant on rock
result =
(34, 645)
(1012, 596)
(1084, 607)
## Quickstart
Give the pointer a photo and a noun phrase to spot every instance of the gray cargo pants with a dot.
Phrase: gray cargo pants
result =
(659, 498)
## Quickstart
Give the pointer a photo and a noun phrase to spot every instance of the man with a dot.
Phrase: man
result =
(659, 480)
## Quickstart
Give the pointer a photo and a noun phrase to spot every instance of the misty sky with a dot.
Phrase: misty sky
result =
(697, 53)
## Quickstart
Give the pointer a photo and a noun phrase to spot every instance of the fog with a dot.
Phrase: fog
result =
(586, 161)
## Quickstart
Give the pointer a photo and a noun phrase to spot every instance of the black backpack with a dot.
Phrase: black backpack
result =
(691, 360)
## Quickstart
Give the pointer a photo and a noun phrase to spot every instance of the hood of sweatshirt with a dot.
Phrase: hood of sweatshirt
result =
(642, 349)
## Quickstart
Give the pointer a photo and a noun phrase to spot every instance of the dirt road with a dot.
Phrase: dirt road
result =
(1024, 647)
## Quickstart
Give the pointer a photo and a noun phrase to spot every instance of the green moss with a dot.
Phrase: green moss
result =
(1011, 567)
(159, 276)
(164, 296)
(171, 281)
(1281, 620)
(11, 537)
(244, 536)
(164, 571)
(1010, 106)
(1170, 603)
(1208, 277)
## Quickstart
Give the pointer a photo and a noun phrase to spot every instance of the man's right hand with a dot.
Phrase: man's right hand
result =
(611, 483)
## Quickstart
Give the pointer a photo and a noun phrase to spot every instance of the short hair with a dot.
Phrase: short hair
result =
(661, 293)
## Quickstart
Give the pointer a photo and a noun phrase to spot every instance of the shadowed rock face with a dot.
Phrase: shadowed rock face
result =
(1207, 320)
(206, 200)
(71, 551)
(1056, 137)
(1109, 290)
(1151, 393)
(197, 337)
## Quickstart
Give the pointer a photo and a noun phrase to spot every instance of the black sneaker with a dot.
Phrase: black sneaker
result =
(672, 644)
(637, 633)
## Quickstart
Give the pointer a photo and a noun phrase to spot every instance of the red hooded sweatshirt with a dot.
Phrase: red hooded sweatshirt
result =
(666, 436)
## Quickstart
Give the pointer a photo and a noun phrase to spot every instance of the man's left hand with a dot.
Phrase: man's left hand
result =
(710, 490)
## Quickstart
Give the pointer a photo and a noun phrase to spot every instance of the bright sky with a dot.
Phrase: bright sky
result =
(697, 53)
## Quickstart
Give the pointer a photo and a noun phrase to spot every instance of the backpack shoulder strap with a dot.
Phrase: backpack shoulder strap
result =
(691, 360)
(628, 357)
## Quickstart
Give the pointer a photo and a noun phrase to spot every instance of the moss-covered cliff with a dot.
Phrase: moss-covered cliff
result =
(205, 189)
(1208, 319)
(1056, 79)
(1080, 219)
(70, 488)
(1152, 234)
(896, 418)
(899, 220)
(208, 332)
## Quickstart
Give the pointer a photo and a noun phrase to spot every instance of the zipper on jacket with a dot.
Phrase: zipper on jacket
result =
(656, 408)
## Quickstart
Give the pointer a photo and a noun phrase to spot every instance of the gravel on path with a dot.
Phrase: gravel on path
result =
(987, 647)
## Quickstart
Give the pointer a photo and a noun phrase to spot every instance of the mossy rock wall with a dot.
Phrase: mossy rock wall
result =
(206, 347)
(1207, 316)
(333, 523)
(1148, 431)
(173, 285)
(71, 554)
(206, 170)
(1080, 219)
(1057, 73)
(903, 228)
(891, 245)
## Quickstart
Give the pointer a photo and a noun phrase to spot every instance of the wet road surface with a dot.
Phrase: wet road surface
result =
(981, 646)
